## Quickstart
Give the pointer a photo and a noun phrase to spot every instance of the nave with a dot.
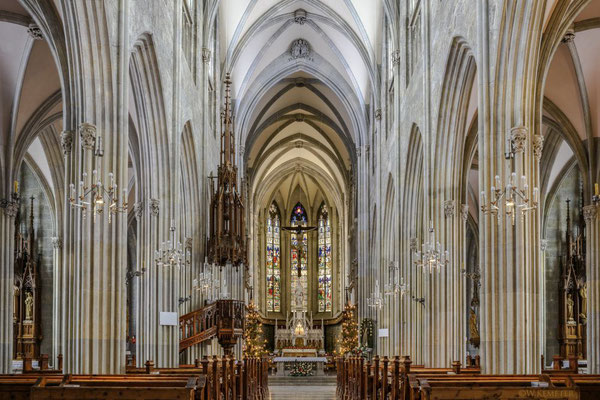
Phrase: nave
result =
(224, 198)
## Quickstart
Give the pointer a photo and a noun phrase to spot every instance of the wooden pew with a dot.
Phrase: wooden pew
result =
(98, 388)
(490, 386)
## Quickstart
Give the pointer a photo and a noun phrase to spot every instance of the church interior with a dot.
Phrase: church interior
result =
(276, 199)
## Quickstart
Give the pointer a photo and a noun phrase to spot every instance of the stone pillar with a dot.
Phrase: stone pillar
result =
(590, 214)
(93, 304)
(511, 324)
(8, 212)
(56, 301)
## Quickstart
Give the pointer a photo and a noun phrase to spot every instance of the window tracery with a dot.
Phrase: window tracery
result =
(324, 295)
(273, 259)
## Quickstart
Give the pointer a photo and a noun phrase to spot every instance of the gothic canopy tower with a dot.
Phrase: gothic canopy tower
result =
(227, 240)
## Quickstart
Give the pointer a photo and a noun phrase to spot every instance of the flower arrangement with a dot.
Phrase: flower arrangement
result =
(302, 369)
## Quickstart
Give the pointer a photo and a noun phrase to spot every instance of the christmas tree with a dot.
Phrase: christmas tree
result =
(349, 330)
(254, 344)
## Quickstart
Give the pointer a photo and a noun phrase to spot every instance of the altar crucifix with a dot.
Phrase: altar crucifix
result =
(298, 230)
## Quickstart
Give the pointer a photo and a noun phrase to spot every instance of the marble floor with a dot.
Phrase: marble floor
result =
(302, 392)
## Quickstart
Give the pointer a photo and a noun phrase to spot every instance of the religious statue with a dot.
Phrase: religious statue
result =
(570, 304)
(473, 329)
(28, 306)
(583, 294)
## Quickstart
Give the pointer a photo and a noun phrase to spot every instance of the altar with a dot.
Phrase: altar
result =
(282, 362)
(299, 338)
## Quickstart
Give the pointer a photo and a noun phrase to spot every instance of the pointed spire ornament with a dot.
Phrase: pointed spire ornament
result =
(227, 240)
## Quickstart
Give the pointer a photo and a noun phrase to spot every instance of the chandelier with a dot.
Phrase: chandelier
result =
(170, 253)
(513, 198)
(209, 284)
(376, 300)
(396, 284)
(92, 194)
(431, 255)
(227, 240)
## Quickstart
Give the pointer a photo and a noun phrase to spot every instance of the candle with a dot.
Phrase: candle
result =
(482, 197)
(513, 178)
(497, 181)
(535, 195)
(523, 182)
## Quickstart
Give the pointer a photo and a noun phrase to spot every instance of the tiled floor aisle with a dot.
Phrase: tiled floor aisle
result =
(302, 392)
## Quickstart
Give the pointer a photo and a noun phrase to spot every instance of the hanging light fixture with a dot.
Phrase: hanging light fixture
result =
(92, 194)
(376, 300)
(513, 198)
(432, 256)
(227, 240)
(396, 284)
(171, 252)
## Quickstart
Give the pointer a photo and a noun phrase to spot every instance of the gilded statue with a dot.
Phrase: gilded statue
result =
(473, 329)
(570, 305)
(583, 294)
(28, 306)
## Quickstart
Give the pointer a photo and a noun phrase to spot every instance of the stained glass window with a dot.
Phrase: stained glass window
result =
(273, 260)
(299, 254)
(324, 295)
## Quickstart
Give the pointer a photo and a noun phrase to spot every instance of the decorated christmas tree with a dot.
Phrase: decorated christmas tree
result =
(254, 343)
(349, 342)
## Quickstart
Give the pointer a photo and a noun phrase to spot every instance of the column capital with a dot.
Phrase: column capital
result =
(518, 137)
(66, 141)
(35, 32)
(464, 212)
(396, 57)
(538, 146)
(449, 208)
(206, 53)
(154, 207)
(569, 37)
(589, 213)
(138, 209)
(11, 207)
(57, 242)
(87, 132)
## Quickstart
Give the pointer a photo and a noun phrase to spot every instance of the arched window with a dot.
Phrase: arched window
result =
(273, 260)
(299, 250)
(324, 262)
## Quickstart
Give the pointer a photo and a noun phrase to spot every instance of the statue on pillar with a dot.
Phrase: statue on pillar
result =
(28, 306)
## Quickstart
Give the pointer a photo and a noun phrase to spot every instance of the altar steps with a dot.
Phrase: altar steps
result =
(302, 380)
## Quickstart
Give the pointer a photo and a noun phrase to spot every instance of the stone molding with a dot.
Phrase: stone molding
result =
(66, 141)
(87, 132)
(589, 213)
(189, 242)
(518, 137)
(544, 245)
(449, 208)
